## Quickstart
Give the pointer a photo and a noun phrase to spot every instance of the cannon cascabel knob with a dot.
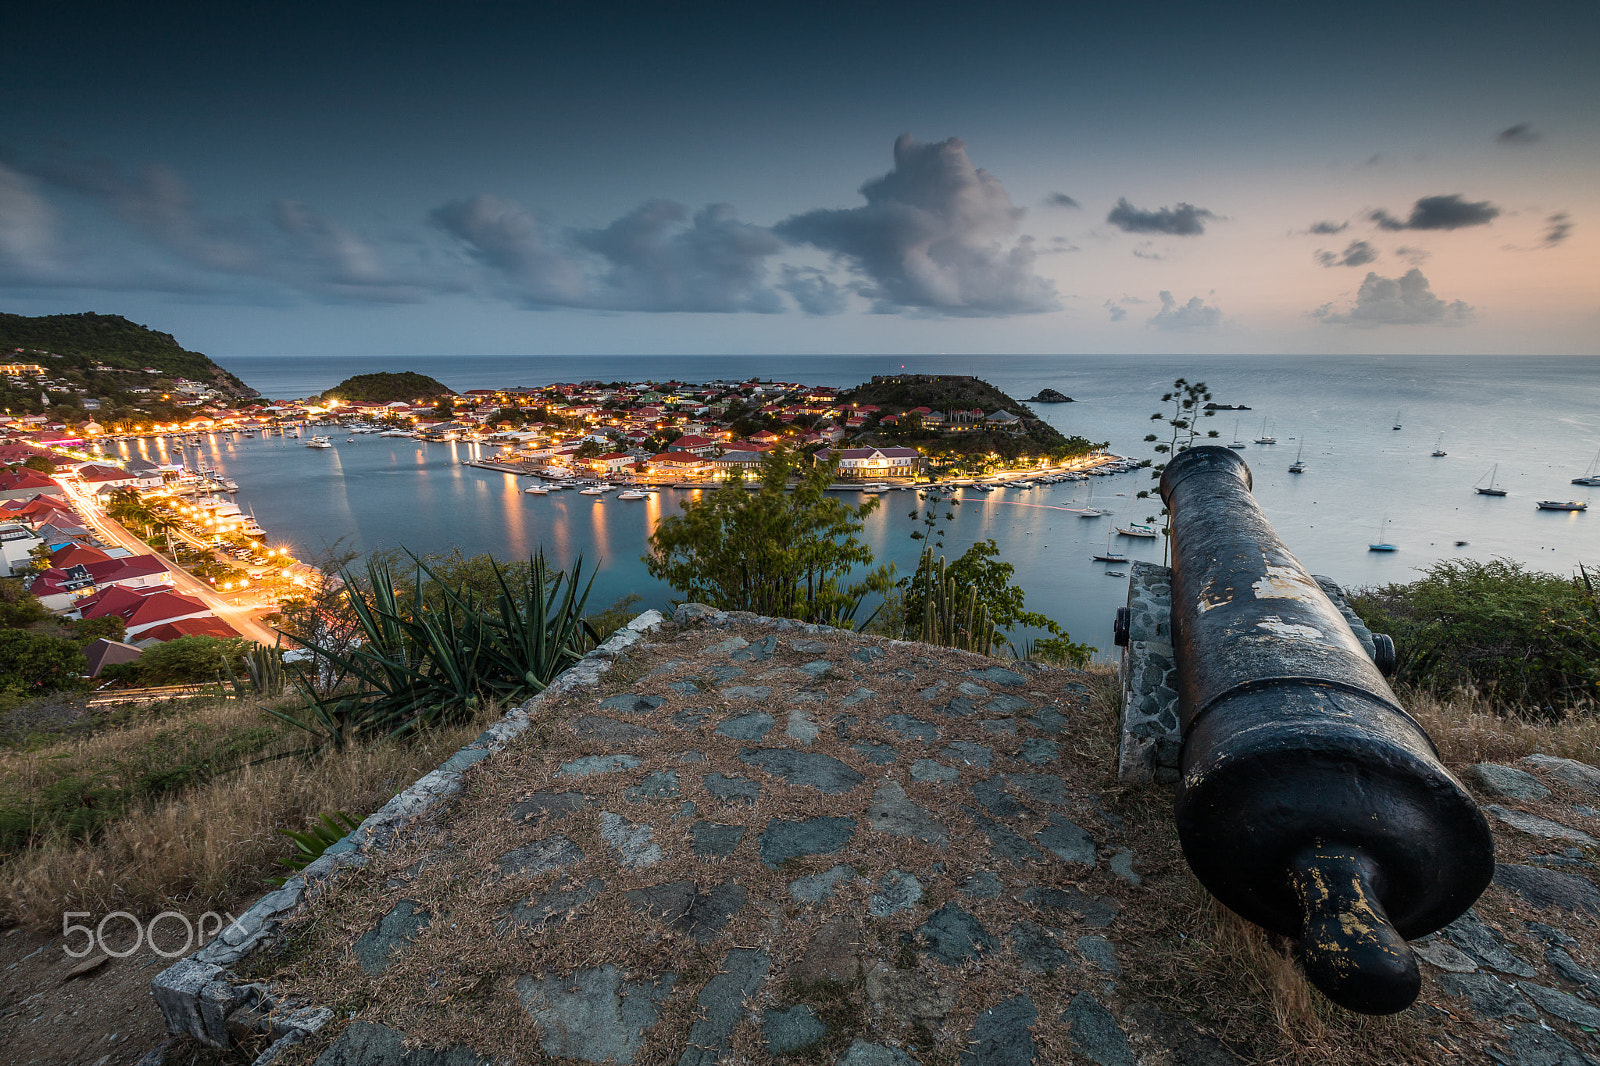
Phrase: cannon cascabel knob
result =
(1348, 948)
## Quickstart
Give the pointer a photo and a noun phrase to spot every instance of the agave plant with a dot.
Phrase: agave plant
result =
(432, 656)
(310, 846)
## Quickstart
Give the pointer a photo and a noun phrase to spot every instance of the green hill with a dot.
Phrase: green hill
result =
(74, 346)
(387, 388)
(899, 393)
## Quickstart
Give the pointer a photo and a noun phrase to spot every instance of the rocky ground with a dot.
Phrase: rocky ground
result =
(754, 843)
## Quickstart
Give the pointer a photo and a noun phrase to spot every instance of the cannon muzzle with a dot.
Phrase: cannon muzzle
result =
(1309, 801)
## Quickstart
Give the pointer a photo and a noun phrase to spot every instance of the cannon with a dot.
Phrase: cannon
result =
(1309, 801)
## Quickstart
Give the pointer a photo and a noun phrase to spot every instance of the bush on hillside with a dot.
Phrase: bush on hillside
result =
(32, 663)
(1522, 637)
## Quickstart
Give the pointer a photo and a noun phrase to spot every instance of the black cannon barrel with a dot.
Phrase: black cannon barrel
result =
(1310, 802)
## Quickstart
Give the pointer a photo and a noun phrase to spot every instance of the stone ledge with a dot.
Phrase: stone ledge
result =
(197, 994)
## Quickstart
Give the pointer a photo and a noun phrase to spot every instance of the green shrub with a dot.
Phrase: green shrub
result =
(1522, 637)
(34, 663)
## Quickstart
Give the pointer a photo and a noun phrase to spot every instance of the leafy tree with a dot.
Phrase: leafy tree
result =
(19, 609)
(34, 663)
(88, 630)
(773, 551)
(588, 450)
(41, 464)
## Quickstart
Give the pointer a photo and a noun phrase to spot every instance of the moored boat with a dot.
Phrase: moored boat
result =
(1134, 530)
(1562, 505)
(1489, 490)
(319, 442)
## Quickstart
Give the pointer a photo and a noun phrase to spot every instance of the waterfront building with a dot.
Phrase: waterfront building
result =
(870, 464)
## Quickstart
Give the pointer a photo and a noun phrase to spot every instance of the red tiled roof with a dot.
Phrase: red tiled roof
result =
(74, 554)
(211, 626)
(96, 472)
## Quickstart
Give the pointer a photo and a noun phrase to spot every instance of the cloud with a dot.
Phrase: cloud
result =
(936, 234)
(1185, 220)
(813, 290)
(1118, 314)
(656, 262)
(1560, 228)
(1414, 256)
(1194, 315)
(1327, 229)
(655, 258)
(1439, 212)
(1520, 134)
(1146, 250)
(1061, 199)
(1404, 301)
(27, 224)
(511, 243)
(1357, 253)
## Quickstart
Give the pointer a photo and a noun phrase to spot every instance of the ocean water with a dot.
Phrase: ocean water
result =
(1537, 418)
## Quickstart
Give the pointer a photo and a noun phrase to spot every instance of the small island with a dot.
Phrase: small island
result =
(388, 388)
(1051, 396)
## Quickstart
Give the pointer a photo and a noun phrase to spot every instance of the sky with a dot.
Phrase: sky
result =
(889, 178)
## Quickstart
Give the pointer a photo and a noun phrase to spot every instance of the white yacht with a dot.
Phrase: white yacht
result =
(633, 494)
(537, 490)
(319, 442)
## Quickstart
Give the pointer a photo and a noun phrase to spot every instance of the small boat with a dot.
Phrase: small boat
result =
(1489, 490)
(875, 487)
(1590, 476)
(1438, 449)
(319, 442)
(1133, 530)
(593, 490)
(1560, 505)
(1382, 545)
(1297, 467)
(633, 494)
(1237, 443)
(1265, 438)
(1397, 420)
(537, 490)
(349, 440)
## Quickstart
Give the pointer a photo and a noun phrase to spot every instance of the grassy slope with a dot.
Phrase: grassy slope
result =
(86, 338)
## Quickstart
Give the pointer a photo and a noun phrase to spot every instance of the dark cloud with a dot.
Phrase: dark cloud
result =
(813, 290)
(27, 225)
(1559, 228)
(1404, 301)
(1328, 229)
(1185, 220)
(1357, 253)
(933, 236)
(1439, 212)
(1117, 313)
(513, 244)
(1414, 256)
(1147, 250)
(655, 258)
(1194, 315)
(1060, 199)
(1520, 134)
(656, 262)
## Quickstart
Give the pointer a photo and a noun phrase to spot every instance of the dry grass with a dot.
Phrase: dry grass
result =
(209, 845)
(1468, 728)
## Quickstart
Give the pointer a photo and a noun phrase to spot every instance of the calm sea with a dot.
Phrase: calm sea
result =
(1534, 421)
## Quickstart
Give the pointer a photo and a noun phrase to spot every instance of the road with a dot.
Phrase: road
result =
(182, 581)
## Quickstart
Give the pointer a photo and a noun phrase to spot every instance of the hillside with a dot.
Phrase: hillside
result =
(74, 345)
(387, 388)
(897, 394)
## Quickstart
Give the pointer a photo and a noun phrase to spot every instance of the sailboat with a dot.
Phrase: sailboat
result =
(1265, 438)
(1397, 420)
(1382, 545)
(1109, 556)
(1490, 490)
(1590, 476)
(1438, 449)
(1297, 467)
(1091, 511)
(1237, 443)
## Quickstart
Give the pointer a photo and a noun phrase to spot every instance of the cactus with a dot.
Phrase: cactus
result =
(953, 617)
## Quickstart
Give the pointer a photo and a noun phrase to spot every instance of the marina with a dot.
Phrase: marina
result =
(389, 489)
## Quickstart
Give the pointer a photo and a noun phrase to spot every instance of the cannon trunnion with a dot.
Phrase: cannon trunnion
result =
(1309, 801)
